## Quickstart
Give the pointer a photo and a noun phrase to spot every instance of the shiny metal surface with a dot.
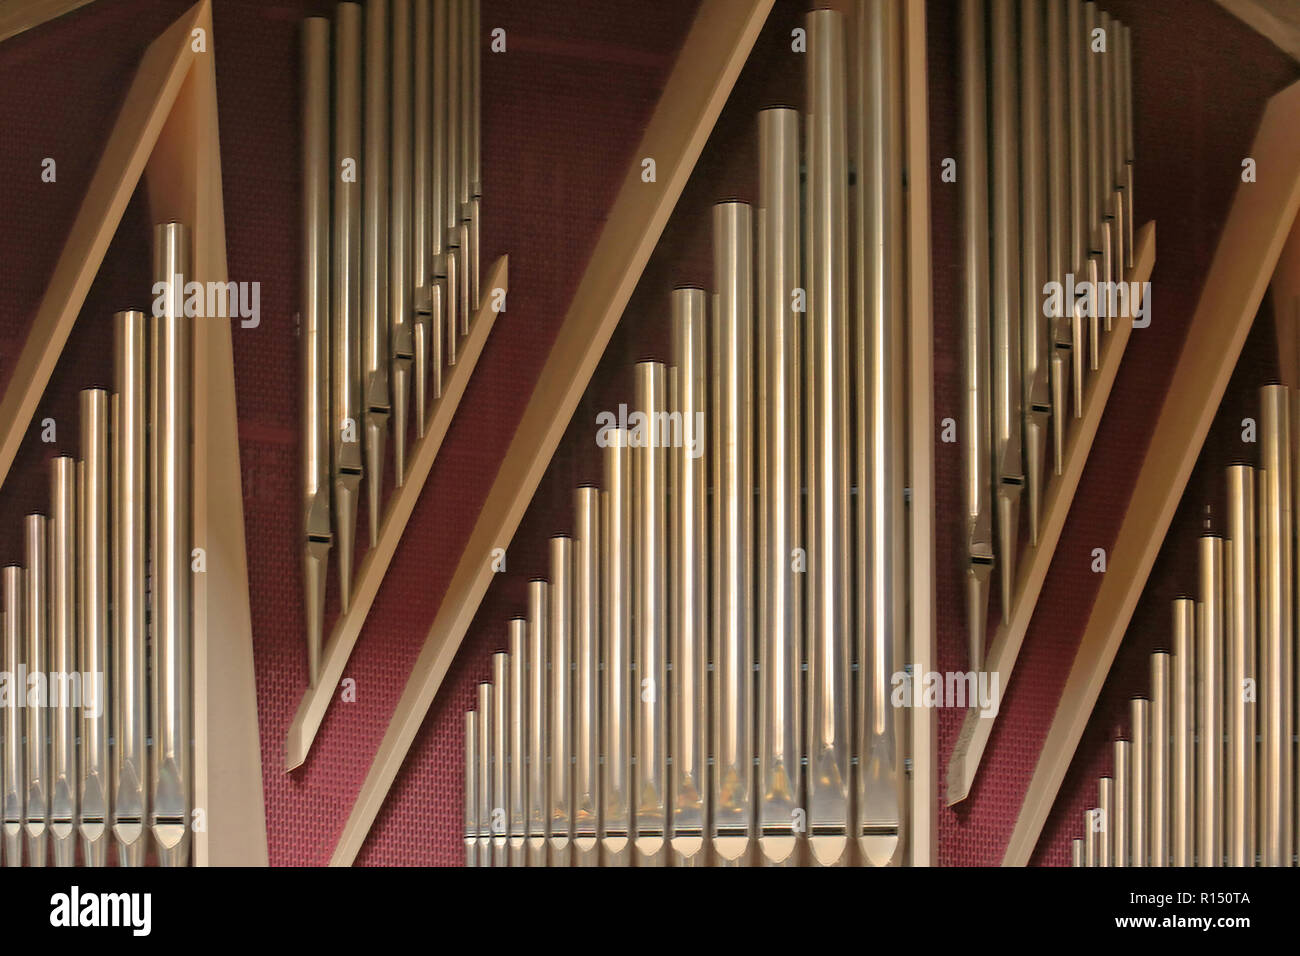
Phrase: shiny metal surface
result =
(63, 658)
(93, 631)
(37, 810)
(1139, 781)
(586, 688)
(1158, 756)
(535, 722)
(560, 695)
(1182, 763)
(616, 652)
(1241, 637)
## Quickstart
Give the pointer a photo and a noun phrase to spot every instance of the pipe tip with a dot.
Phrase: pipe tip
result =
(1008, 539)
(376, 429)
(345, 531)
(401, 385)
(1036, 453)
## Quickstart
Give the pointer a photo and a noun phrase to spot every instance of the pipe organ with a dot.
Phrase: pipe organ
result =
(391, 176)
(98, 627)
(1211, 779)
(1046, 174)
(749, 529)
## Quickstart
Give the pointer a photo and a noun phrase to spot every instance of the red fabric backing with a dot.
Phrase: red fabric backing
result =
(563, 111)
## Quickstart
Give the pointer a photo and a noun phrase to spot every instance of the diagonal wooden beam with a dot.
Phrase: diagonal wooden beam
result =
(706, 69)
(19, 16)
(1258, 224)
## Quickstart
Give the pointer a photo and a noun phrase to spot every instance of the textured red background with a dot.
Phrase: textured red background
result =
(563, 110)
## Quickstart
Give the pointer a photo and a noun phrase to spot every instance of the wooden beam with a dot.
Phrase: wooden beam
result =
(706, 69)
(1261, 218)
(374, 566)
(923, 728)
(1035, 561)
(1284, 291)
(19, 16)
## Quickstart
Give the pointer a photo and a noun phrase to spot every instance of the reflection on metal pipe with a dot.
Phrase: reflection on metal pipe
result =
(92, 578)
(780, 773)
(315, 286)
(453, 261)
(63, 655)
(1093, 835)
(1275, 626)
(1139, 781)
(561, 700)
(374, 265)
(500, 757)
(1126, 67)
(539, 824)
(1239, 705)
(1076, 852)
(829, 745)
(615, 796)
(38, 720)
(1118, 819)
(1159, 759)
(1059, 262)
(1105, 814)
(130, 556)
(13, 773)
(650, 620)
(1079, 206)
(401, 312)
(1005, 221)
(171, 620)
(976, 415)
(438, 288)
(518, 691)
(345, 298)
(1182, 764)
(421, 206)
(586, 689)
(485, 774)
(1036, 335)
(471, 788)
(733, 658)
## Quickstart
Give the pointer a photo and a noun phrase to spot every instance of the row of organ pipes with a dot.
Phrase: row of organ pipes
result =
(390, 255)
(1206, 775)
(97, 630)
(1046, 174)
(705, 676)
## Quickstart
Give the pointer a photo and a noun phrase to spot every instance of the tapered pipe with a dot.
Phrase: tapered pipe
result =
(561, 701)
(1126, 66)
(1182, 762)
(401, 311)
(476, 148)
(1122, 806)
(1105, 106)
(485, 768)
(1158, 756)
(471, 788)
(539, 788)
(1106, 813)
(732, 357)
(171, 493)
(1209, 700)
(1059, 262)
(1239, 696)
(468, 111)
(1139, 781)
(63, 657)
(345, 299)
(780, 773)
(1116, 165)
(518, 759)
(1005, 191)
(437, 196)
(500, 757)
(1076, 852)
(1078, 189)
(129, 542)
(375, 300)
(1035, 331)
(586, 687)
(829, 568)
(314, 332)
(1098, 234)
(650, 618)
(92, 578)
(976, 356)
(879, 359)
(689, 621)
(453, 253)
(616, 652)
(13, 772)
(421, 226)
(38, 718)
(1275, 626)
